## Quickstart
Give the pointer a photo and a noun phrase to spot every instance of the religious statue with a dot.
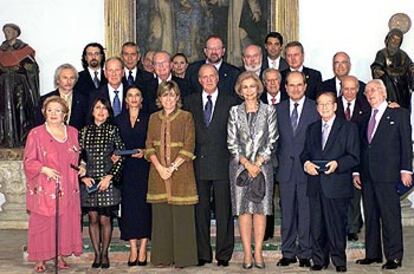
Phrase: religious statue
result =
(395, 68)
(19, 88)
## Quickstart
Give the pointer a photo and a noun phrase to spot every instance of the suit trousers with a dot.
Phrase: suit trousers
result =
(220, 192)
(354, 213)
(295, 219)
(328, 229)
(173, 238)
(382, 210)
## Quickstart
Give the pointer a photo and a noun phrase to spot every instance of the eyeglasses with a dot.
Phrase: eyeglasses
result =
(90, 54)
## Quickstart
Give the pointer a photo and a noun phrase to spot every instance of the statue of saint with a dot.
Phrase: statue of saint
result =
(19, 88)
(395, 68)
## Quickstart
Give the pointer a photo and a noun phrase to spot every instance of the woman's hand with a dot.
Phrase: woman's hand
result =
(88, 181)
(115, 158)
(82, 170)
(139, 154)
(105, 182)
(50, 173)
(252, 169)
(164, 172)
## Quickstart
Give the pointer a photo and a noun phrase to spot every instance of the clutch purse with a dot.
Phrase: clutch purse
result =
(127, 152)
(93, 188)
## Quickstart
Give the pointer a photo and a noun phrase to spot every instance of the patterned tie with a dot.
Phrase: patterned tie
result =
(325, 134)
(208, 109)
(130, 78)
(371, 126)
(273, 100)
(116, 104)
(348, 112)
(294, 118)
(96, 80)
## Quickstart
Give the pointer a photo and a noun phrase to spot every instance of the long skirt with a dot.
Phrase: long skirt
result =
(41, 236)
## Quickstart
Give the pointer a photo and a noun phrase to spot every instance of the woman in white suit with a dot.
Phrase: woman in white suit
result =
(252, 136)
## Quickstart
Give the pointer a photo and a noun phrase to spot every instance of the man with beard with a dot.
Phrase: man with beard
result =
(214, 52)
(252, 60)
(91, 78)
(132, 74)
(395, 68)
(273, 58)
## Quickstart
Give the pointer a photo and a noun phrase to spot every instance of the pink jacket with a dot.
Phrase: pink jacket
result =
(42, 150)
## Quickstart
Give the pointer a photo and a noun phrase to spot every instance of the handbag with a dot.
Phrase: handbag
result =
(256, 187)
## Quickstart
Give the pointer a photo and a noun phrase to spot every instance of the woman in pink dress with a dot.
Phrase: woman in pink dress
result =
(50, 151)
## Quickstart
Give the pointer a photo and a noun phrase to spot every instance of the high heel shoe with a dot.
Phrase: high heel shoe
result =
(143, 263)
(133, 263)
(260, 265)
(247, 265)
(105, 263)
(97, 262)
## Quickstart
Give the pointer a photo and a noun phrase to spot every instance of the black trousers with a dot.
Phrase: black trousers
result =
(382, 211)
(220, 192)
(354, 213)
(328, 229)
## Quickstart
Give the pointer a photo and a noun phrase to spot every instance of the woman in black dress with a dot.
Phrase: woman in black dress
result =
(135, 223)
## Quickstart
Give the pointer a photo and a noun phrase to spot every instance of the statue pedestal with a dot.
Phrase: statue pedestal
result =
(12, 190)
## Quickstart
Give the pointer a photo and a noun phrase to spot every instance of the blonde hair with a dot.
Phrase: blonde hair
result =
(60, 101)
(166, 87)
(248, 75)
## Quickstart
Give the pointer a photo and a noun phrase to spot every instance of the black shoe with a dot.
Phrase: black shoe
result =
(352, 237)
(317, 267)
(133, 263)
(261, 265)
(341, 269)
(304, 263)
(105, 262)
(143, 263)
(369, 261)
(247, 265)
(286, 261)
(202, 262)
(96, 262)
(392, 264)
(223, 263)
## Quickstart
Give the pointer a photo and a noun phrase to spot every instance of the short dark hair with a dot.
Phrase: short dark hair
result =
(130, 44)
(276, 35)
(96, 45)
(106, 103)
(211, 36)
(181, 55)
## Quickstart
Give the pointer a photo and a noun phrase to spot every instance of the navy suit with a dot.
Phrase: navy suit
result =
(140, 77)
(389, 152)
(330, 85)
(263, 97)
(227, 77)
(282, 63)
(79, 109)
(361, 111)
(292, 180)
(85, 84)
(313, 82)
(212, 172)
(329, 195)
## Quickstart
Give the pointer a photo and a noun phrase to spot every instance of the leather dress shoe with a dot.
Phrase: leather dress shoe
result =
(369, 261)
(392, 264)
(223, 263)
(304, 263)
(318, 267)
(286, 261)
(202, 262)
(341, 268)
(352, 237)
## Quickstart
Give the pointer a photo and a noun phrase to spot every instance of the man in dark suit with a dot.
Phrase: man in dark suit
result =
(212, 166)
(331, 152)
(214, 51)
(163, 70)
(293, 118)
(341, 65)
(271, 94)
(355, 108)
(114, 91)
(273, 58)
(92, 78)
(295, 56)
(252, 60)
(65, 79)
(132, 74)
(386, 160)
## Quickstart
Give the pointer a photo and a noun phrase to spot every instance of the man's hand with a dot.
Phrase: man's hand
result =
(406, 179)
(332, 166)
(311, 168)
(356, 180)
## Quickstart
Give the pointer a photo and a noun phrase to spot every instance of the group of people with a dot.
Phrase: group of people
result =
(160, 144)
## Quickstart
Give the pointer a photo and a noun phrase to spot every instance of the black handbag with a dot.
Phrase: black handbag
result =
(256, 187)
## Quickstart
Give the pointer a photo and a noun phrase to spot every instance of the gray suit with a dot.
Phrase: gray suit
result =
(292, 180)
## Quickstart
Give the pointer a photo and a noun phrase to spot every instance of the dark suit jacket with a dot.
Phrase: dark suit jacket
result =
(313, 81)
(104, 92)
(330, 85)
(227, 77)
(140, 77)
(290, 146)
(390, 150)
(342, 146)
(79, 109)
(263, 97)
(212, 155)
(85, 84)
(282, 63)
(362, 109)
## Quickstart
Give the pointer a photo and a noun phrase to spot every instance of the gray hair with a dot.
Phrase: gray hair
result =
(59, 69)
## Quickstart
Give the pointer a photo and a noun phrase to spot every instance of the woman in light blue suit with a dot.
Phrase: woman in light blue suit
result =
(252, 135)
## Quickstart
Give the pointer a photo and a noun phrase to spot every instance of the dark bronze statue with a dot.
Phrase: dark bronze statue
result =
(19, 88)
(395, 68)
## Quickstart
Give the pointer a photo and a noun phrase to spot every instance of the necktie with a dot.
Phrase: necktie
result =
(294, 118)
(325, 134)
(96, 80)
(130, 78)
(371, 126)
(348, 112)
(116, 104)
(273, 101)
(208, 109)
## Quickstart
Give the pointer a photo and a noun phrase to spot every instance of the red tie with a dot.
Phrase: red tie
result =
(273, 101)
(348, 112)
